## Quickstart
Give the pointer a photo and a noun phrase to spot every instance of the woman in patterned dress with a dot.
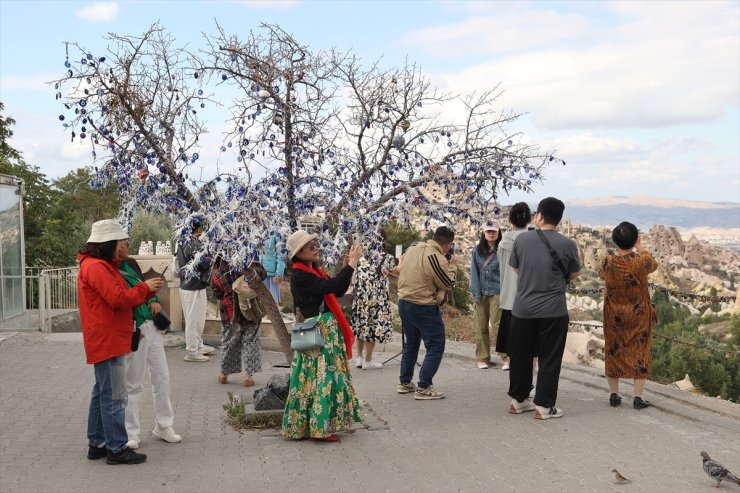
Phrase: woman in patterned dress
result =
(371, 307)
(240, 338)
(628, 324)
(321, 400)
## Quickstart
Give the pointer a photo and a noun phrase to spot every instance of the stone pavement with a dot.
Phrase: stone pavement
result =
(466, 442)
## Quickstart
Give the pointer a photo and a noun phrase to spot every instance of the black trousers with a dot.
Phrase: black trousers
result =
(528, 335)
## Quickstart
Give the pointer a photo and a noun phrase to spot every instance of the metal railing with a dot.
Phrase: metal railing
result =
(57, 290)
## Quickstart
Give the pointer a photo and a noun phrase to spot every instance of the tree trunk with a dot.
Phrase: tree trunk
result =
(273, 313)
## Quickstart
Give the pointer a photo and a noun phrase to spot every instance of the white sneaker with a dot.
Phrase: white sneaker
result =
(358, 362)
(372, 365)
(205, 350)
(196, 357)
(166, 434)
(517, 407)
(547, 412)
(133, 443)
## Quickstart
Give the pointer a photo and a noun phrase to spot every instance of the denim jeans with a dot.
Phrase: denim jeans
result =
(106, 421)
(421, 323)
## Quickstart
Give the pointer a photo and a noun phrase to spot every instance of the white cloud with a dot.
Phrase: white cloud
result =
(27, 82)
(505, 33)
(651, 66)
(98, 12)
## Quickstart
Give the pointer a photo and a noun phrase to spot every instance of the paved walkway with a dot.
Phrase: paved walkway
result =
(466, 442)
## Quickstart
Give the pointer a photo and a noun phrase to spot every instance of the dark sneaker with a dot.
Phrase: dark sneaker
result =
(638, 403)
(427, 394)
(405, 388)
(95, 453)
(125, 456)
(545, 413)
(614, 400)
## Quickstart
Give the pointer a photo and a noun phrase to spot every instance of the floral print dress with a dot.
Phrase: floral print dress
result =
(371, 308)
(628, 335)
(321, 400)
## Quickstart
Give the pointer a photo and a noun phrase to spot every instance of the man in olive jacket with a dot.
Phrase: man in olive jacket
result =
(425, 277)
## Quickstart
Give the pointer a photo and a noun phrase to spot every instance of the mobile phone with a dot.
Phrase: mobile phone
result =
(451, 252)
(165, 270)
(357, 238)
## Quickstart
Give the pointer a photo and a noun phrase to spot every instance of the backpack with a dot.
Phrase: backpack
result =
(249, 304)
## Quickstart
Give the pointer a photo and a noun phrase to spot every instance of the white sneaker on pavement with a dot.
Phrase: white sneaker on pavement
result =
(196, 357)
(547, 412)
(372, 365)
(166, 434)
(133, 443)
(358, 362)
(517, 407)
(205, 350)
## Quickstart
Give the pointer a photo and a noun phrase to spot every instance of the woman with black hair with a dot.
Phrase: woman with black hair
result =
(519, 216)
(628, 320)
(485, 286)
(106, 315)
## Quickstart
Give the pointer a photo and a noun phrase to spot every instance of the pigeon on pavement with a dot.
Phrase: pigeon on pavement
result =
(717, 471)
(619, 479)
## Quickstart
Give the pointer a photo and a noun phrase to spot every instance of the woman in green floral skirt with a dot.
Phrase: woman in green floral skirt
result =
(321, 400)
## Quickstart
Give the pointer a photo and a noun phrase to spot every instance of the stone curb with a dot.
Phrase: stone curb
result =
(594, 378)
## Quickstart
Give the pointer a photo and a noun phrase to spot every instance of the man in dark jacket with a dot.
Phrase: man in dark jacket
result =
(194, 279)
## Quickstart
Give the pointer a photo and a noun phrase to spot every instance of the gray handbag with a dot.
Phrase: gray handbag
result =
(305, 336)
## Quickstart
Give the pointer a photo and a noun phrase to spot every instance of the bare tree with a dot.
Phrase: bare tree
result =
(311, 134)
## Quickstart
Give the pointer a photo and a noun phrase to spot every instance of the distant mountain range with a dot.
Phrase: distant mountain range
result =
(645, 212)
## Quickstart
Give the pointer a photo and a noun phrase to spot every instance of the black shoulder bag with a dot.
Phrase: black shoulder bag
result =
(554, 255)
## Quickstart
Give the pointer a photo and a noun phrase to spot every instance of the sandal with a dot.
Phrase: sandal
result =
(248, 381)
(328, 438)
(222, 379)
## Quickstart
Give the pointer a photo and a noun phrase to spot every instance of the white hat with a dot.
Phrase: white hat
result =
(298, 240)
(106, 230)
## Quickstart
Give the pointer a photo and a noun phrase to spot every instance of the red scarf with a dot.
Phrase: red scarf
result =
(333, 305)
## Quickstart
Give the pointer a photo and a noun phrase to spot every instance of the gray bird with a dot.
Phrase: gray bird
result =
(619, 479)
(717, 471)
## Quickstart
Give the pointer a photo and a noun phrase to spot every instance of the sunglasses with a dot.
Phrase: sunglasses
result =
(314, 245)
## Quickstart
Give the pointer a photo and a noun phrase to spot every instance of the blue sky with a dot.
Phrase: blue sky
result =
(640, 98)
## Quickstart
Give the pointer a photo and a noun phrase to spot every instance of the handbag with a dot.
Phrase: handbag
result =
(135, 338)
(161, 320)
(305, 336)
(249, 304)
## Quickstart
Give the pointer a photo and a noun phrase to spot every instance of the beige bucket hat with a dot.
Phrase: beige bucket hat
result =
(106, 230)
(298, 240)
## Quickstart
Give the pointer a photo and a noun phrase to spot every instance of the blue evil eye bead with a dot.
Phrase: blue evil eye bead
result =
(195, 156)
(551, 158)
(101, 59)
(200, 92)
(223, 149)
(224, 77)
(61, 118)
(83, 102)
(83, 61)
(202, 105)
(67, 64)
(511, 142)
(196, 75)
(88, 56)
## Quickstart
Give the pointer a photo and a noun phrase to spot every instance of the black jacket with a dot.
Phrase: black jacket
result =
(309, 290)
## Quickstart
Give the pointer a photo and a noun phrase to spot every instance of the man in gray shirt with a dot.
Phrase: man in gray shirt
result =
(543, 259)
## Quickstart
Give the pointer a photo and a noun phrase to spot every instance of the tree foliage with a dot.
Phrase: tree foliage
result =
(713, 365)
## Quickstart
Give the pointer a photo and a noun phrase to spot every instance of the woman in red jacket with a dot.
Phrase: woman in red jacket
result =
(106, 316)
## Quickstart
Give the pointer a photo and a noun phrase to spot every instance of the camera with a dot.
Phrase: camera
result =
(450, 253)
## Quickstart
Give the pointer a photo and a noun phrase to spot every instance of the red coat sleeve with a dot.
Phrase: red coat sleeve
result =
(113, 289)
